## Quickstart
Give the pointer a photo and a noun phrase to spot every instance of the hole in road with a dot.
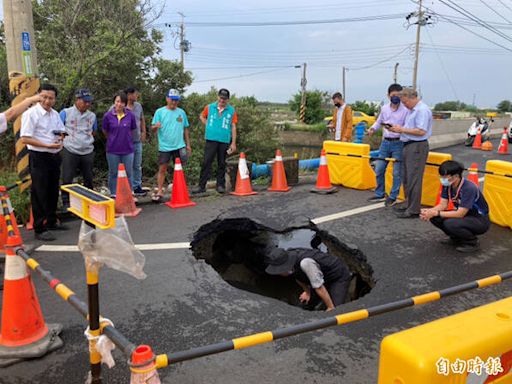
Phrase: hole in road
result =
(237, 250)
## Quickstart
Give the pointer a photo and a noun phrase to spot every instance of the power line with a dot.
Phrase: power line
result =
(505, 5)
(381, 61)
(443, 67)
(496, 12)
(294, 22)
(243, 75)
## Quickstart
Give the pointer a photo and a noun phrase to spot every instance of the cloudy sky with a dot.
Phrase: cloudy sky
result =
(259, 60)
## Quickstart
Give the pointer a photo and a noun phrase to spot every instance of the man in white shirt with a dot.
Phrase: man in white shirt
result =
(16, 110)
(43, 132)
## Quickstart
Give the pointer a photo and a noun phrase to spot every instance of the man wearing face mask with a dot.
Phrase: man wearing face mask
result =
(341, 124)
(391, 146)
(471, 217)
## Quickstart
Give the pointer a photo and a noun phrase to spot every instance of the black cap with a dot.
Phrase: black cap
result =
(223, 93)
(279, 261)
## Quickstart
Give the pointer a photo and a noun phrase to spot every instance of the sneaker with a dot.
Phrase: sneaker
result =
(198, 191)
(139, 192)
(376, 199)
(45, 236)
(390, 202)
(221, 189)
(450, 241)
(468, 248)
(58, 227)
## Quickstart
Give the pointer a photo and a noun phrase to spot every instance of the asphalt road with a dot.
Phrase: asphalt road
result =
(183, 303)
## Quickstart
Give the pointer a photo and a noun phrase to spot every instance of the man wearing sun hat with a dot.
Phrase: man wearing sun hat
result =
(321, 275)
(171, 125)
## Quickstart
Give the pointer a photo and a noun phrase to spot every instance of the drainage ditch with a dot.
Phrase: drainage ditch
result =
(236, 249)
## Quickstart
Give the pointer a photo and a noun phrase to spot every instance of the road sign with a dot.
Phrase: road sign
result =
(25, 41)
(91, 206)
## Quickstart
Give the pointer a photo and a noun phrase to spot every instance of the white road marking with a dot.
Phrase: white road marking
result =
(348, 213)
(140, 247)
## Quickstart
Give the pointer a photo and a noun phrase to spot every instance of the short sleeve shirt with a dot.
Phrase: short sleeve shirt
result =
(419, 117)
(173, 123)
(3, 123)
(312, 270)
(38, 123)
(467, 196)
(138, 112)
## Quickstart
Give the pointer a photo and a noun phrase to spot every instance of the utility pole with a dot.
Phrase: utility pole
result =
(182, 39)
(343, 78)
(303, 83)
(417, 50)
(22, 67)
(395, 73)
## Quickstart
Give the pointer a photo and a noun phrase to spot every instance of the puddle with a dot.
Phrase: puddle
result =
(236, 249)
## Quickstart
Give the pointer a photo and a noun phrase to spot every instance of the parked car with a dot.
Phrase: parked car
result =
(357, 117)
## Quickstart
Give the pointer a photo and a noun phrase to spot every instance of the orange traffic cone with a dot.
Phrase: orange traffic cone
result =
(30, 224)
(243, 185)
(473, 174)
(477, 144)
(143, 366)
(450, 207)
(24, 332)
(279, 183)
(323, 182)
(179, 196)
(5, 226)
(125, 204)
(503, 148)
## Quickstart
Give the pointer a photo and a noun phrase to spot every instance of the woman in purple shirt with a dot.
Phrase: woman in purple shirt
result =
(118, 125)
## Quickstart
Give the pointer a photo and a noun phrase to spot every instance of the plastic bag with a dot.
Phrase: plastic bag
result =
(111, 247)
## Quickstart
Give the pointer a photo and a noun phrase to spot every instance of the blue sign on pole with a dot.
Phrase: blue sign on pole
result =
(25, 41)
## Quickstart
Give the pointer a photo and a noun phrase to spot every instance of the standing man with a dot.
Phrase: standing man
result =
(16, 110)
(390, 147)
(471, 217)
(414, 134)
(341, 124)
(42, 131)
(139, 137)
(78, 151)
(171, 125)
(220, 120)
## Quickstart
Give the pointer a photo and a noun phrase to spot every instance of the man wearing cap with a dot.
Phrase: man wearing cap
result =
(220, 120)
(42, 131)
(139, 137)
(78, 152)
(321, 275)
(171, 125)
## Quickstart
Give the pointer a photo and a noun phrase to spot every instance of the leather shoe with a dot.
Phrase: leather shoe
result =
(407, 215)
(58, 227)
(45, 236)
(198, 191)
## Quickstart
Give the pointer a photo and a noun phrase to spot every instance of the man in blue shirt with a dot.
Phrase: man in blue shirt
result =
(220, 132)
(391, 147)
(471, 217)
(171, 123)
(414, 134)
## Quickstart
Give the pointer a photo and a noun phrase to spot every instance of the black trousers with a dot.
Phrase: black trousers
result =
(463, 229)
(72, 162)
(45, 174)
(338, 290)
(212, 149)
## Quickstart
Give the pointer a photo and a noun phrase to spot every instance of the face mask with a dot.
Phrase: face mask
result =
(445, 182)
(395, 100)
(337, 105)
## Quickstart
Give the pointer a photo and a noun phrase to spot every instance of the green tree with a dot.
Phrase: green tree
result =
(103, 45)
(316, 109)
(365, 107)
(450, 106)
(505, 106)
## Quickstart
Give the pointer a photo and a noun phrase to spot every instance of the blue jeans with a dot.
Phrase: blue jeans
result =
(113, 163)
(137, 165)
(389, 149)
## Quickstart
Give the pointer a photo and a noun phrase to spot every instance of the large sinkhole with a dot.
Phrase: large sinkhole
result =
(237, 250)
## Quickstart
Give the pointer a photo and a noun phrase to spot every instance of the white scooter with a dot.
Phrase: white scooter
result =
(485, 131)
(509, 133)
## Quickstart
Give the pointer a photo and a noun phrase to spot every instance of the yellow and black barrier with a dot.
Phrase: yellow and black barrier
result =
(498, 190)
(344, 318)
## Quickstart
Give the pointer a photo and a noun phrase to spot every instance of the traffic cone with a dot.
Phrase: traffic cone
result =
(179, 196)
(279, 183)
(323, 182)
(125, 204)
(24, 332)
(477, 144)
(143, 366)
(473, 174)
(4, 226)
(243, 185)
(30, 224)
(450, 207)
(503, 148)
